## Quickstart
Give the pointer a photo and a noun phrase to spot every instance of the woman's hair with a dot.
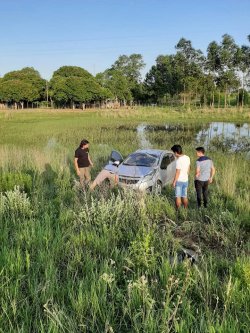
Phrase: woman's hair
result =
(84, 142)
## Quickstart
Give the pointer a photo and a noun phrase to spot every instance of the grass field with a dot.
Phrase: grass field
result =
(74, 261)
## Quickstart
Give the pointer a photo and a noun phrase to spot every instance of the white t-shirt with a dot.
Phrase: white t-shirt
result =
(183, 163)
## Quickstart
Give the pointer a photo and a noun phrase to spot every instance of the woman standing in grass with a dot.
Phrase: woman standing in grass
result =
(83, 162)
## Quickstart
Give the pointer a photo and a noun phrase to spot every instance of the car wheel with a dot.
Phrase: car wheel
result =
(158, 187)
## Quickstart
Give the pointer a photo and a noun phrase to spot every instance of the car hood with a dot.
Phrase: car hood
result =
(134, 171)
(112, 168)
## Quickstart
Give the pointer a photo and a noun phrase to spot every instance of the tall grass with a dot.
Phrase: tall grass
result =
(75, 261)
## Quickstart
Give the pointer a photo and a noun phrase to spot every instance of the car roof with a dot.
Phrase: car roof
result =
(156, 152)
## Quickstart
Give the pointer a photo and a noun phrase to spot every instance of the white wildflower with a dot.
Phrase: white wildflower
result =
(109, 278)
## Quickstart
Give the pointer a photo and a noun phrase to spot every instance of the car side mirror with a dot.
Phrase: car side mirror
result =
(111, 161)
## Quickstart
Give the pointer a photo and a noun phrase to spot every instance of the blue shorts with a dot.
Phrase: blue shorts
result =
(181, 189)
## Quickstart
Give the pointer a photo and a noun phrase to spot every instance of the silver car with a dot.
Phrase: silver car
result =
(144, 170)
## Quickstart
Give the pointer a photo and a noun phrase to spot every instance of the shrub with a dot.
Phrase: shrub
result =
(15, 204)
(9, 180)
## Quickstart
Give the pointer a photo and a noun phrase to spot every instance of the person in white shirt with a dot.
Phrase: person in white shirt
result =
(180, 182)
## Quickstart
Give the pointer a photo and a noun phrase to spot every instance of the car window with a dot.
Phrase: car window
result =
(165, 162)
(171, 156)
(140, 159)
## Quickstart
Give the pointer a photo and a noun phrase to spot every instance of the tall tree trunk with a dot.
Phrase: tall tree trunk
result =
(184, 95)
(243, 90)
(205, 100)
(238, 98)
(196, 96)
(225, 98)
(47, 94)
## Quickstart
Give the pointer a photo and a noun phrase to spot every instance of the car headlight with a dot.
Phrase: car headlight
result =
(149, 176)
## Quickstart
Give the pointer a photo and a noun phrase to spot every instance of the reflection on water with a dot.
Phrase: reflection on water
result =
(141, 134)
(221, 135)
(223, 130)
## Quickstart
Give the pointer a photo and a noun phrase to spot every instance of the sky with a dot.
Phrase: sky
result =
(92, 34)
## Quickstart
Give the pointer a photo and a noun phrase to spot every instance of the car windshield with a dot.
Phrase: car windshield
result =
(141, 159)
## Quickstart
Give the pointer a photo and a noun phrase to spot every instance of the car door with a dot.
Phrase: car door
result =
(167, 168)
(171, 169)
(115, 156)
(164, 169)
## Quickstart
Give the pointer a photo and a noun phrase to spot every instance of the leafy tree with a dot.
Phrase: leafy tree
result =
(139, 93)
(71, 84)
(243, 65)
(117, 84)
(176, 74)
(69, 71)
(187, 74)
(190, 66)
(213, 64)
(130, 67)
(163, 78)
(25, 85)
(207, 89)
(227, 79)
(77, 91)
(58, 90)
(227, 52)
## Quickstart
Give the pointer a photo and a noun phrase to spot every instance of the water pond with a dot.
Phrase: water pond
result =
(215, 135)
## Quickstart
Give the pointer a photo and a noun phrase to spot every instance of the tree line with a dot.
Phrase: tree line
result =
(188, 77)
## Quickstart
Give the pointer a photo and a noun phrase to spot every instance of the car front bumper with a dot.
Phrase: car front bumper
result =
(139, 186)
